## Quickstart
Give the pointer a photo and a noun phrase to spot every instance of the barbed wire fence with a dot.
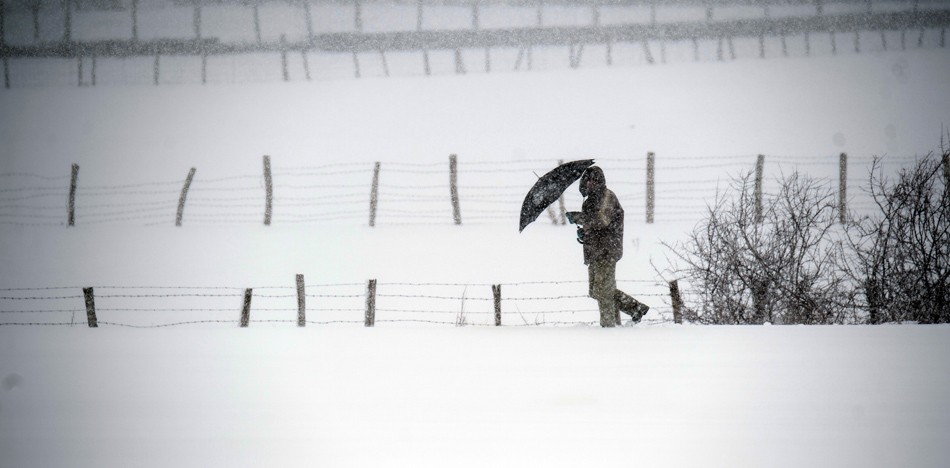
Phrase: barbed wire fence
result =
(526, 304)
(652, 189)
(160, 42)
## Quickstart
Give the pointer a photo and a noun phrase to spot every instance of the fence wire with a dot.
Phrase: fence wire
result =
(490, 192)
(456, 304)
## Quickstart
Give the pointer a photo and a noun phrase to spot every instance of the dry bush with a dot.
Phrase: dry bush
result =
(778, 264)
(901, 255)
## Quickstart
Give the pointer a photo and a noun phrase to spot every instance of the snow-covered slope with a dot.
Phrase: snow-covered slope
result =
(415, 395)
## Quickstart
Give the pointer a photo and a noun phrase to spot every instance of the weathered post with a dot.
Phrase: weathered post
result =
(257, 23)
(90, 307)
(246, 309)
(496, 292)
(269, 188)
(843, 188)
(419, 15)
(71, 215)
(2, 34)
(196, 19)
(677, 301)
(301, 302)
(946, 170)
(759, 300)
(759, 169)
(184, 194)
(135, 20)
(155, 70)
(283, 57)
(309, 21)
(68, 22)
(374, 196)
(370, 318)
(650, 186)
(454, 189)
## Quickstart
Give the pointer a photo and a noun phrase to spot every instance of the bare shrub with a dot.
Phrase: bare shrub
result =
(901, 255)
(778, 265)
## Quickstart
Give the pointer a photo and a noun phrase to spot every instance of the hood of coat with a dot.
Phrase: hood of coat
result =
(593, 182)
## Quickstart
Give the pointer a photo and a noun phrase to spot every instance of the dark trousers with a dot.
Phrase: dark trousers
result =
(603, 287)
(610, 300)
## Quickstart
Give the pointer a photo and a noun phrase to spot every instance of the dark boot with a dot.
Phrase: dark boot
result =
(630, 306)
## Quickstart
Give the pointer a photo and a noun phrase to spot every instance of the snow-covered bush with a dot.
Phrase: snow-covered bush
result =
(767, 258)
(901, 255)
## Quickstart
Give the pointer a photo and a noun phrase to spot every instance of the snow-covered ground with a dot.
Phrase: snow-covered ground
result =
(672, 396)
(419, 395)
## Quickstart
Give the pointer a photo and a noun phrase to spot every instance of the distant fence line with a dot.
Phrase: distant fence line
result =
(604, 26)
(652, 189)
(320, 304)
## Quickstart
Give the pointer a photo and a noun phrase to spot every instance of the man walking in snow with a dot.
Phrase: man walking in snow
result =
(600, 229)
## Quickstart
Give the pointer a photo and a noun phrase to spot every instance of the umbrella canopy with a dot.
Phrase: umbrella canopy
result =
(549, 188)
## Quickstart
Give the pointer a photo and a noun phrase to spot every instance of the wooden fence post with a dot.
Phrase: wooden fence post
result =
(71, 215)
(90, 307)
(759, 168)
(184, 194)
(269, 187)
(677, 301)
(246, 310)
(759, 300)
(257, 23)
(454, 189)
(370, 318)
(155, 70)
(496, 292)
(196, 19)
(843, 188)
(2, 33)
(946, 169)
(135, 20)
(374, 196)
(283, 57)
(651, 195)
(301, 302)
(68, 22)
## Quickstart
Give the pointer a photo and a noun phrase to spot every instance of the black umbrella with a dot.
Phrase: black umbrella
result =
(549, 188)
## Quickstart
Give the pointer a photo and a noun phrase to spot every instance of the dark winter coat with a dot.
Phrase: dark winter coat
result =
(602, 219)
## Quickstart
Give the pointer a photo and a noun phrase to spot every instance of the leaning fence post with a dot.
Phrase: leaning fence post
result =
(370, 319)
(246, 310)
(71, 213)
(843, 189)
(301, 302)
(496, 292)
(269, 187)
(374, 196)
(651, 185)
(454, 189)
(90, 307)
(677, 301)
(759, 168)
(184, 194)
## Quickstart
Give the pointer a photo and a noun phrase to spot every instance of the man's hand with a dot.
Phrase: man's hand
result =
(574, 217)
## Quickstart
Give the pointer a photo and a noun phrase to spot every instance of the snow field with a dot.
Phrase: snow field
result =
(418, 394)
(673, 396)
